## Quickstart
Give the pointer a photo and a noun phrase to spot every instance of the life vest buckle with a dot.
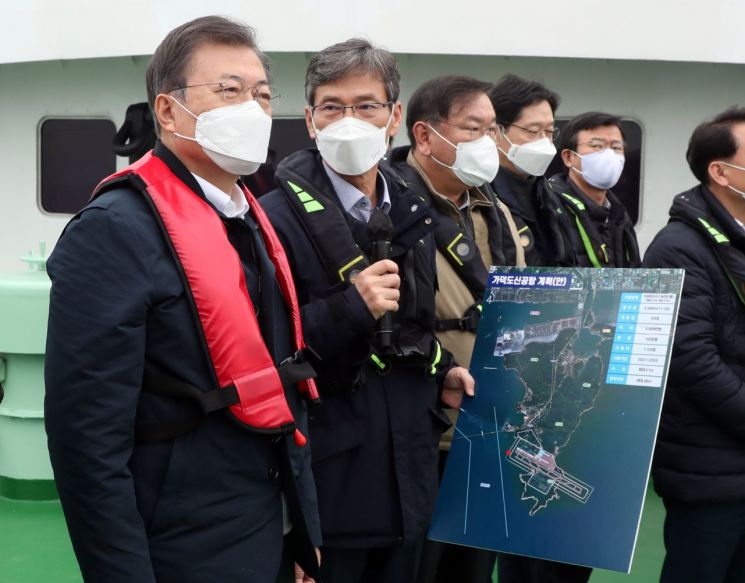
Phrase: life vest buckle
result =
(471, 319)
(382, 367)
(300, 366)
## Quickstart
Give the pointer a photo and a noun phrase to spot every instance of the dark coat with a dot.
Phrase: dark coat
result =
(374, 439)
(204, 506)
(700, 454)
(609, 230)
(541, 222)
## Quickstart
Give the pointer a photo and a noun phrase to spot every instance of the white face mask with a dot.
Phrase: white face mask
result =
(732, 188)
(532, 158)
(601, 169)
(235, 137)
(352, 146)
(476, 162)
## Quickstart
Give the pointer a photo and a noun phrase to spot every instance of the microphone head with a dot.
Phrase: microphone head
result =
(380, 226)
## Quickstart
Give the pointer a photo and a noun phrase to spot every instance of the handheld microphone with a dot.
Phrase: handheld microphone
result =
(379, 233)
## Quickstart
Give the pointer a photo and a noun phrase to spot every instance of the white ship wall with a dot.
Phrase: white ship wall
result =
(668, 99)
(675, 30)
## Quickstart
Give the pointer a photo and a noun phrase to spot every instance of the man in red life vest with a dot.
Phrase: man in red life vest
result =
(175, 356)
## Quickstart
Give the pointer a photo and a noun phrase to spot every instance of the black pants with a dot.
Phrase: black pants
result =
(446, 563)
(517, 569)
(287, 566)
(704, 542)
(396, 564)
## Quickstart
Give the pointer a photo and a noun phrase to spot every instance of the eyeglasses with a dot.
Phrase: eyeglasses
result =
(474, 133)
(333, 111)
(599, 144)
(550, 133)
(233, 91)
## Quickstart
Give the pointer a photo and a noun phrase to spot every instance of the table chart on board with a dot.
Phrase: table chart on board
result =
(642, 339)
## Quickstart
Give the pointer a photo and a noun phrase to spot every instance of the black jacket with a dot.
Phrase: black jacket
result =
(541, 222)
(204, 506)
(700, 454)
(608, 231)
(375, 437)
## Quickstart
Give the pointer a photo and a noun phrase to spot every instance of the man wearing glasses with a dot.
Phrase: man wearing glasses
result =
(453, 132)
(375, 437)
(592, 149)
(601, 234)
(175, 425)
(525, 114)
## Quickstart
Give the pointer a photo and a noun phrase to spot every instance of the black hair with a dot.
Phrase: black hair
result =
(435, 99)
(511, 94)
(352, 57)
(586, 121)
(170, 63)
(713, 140)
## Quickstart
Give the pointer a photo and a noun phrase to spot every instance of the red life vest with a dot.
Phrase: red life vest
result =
(215, 280)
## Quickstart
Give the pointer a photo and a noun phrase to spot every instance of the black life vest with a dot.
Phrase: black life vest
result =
(460, 250)
(592, 242)
(326, 225)
(338, 238)
(340, 241)
(248, 384)
(730, 258)
(458, 246)
(545, 238)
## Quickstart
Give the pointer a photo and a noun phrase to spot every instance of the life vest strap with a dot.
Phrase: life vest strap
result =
(719, 242)
(159, 383)
(292, 370)
(409, 357)
(468, 323)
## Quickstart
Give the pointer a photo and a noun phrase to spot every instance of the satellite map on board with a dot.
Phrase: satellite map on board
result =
(551, 458)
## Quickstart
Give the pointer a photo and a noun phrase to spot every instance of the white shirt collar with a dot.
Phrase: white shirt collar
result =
(232, 206)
